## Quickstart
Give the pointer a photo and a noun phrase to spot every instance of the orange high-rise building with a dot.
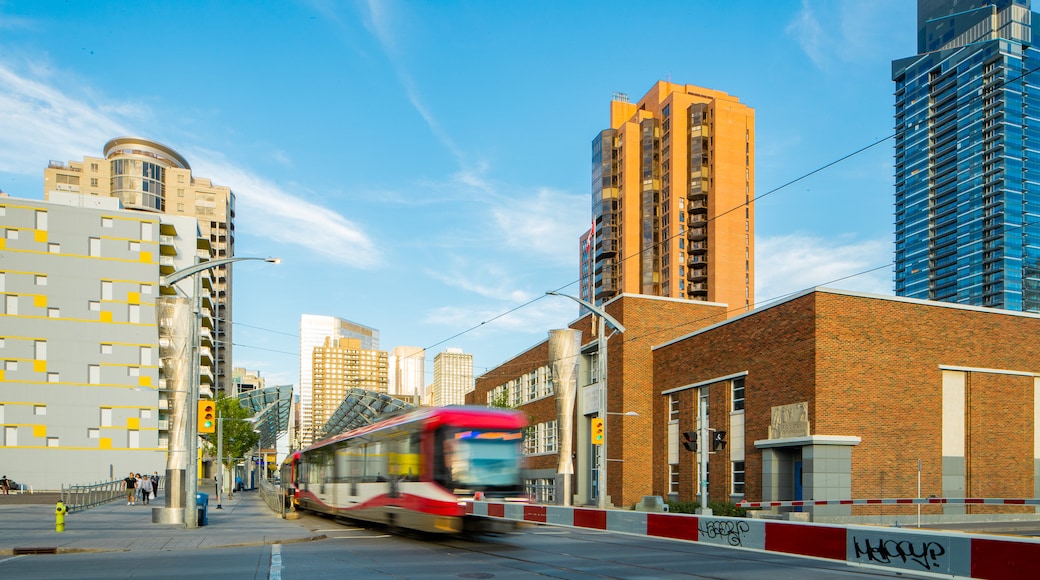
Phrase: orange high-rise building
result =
(672, 185)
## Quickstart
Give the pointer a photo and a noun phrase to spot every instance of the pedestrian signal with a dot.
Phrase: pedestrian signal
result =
(718, 440)
(207, 417)
(690, 440)
(597, 431)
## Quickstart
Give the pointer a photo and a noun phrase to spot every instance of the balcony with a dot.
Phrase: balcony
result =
(697, 219)
(166, 265)
(697, 274)
(697, 260)
(693, 234)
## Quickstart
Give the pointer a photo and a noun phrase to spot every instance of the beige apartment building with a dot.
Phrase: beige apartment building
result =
(672, 184)
(148, 176)
(341, 364)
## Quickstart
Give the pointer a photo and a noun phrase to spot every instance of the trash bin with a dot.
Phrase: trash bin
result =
(202, 503)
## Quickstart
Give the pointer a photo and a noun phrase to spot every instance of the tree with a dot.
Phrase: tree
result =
(500, 400)
(239, 437)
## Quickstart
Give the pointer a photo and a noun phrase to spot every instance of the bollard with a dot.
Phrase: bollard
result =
(59, 516)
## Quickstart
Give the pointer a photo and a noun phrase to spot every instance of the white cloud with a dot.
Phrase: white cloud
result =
(839, 32)
(806, 29)
(547, 224)
(533, 318)
(268, 211)
(791, 263)
(475, 279)
(41, 122)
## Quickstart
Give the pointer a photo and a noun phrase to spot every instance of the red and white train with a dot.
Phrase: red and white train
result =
(416, 470)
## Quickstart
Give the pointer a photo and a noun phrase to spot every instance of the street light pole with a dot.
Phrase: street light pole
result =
(191, 445)
(601, 351)
(220, 458)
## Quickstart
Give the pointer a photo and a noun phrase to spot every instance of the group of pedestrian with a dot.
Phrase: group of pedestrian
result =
(140, 488)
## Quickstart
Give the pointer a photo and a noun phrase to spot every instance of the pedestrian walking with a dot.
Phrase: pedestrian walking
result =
(5, 484)
(146, 489)
(139, 491)
(155, 484)
(131, 488)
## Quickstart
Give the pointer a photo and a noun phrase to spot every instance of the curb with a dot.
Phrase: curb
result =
(63, 550)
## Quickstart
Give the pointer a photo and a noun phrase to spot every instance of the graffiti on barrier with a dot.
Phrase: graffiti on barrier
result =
(926, 554)
(730, 532)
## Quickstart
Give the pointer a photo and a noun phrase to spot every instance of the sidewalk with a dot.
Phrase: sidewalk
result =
(245, 520)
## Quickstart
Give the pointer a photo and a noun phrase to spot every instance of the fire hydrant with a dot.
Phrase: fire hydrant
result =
(59, 516)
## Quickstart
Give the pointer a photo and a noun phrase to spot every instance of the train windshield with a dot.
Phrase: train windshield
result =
(482, 460)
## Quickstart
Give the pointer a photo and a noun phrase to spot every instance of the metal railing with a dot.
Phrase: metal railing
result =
(81, 497)
(275, 498)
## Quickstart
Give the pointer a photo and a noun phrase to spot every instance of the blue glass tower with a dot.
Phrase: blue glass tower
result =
(967, 156)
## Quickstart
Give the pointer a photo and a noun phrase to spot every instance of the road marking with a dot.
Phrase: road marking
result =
(359, 537)
(275, 572)
(12, 558)
(341, 530)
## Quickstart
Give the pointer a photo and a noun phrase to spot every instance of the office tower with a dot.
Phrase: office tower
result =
(339, 365)
(967, 157)
(81, 395)
(452, 377)
(244, 381)
(314, 328)
(407, 372)
(672, 183)
(150, 177)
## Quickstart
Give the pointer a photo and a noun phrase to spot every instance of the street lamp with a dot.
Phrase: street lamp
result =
(601, 350)
(185, 416)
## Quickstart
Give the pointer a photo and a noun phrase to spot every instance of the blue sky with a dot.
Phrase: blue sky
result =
(424, 167)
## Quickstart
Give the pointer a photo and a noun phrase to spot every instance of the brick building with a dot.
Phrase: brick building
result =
(837, 395)
(826, 395)
(525, 383)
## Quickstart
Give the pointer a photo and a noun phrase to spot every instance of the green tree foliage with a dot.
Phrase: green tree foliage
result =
(239, 437)
(500, 400)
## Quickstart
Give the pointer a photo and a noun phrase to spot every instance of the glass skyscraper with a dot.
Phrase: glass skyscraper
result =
(967, 157)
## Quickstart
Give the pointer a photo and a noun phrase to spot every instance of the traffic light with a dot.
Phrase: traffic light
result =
(690, 440)
(718, 440)
(207, 417)
(597, 431)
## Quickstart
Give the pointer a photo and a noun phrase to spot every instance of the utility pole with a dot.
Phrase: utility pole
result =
(704, 435)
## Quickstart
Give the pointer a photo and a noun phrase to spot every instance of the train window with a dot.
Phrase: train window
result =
(475, 459)
(375, 462)
(403, 456)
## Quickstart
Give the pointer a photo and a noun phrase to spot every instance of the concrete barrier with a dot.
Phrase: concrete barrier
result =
(894, 549)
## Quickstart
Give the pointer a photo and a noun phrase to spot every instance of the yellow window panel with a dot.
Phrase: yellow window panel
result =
(144, 381)
(3, 244)
(105, 443)
(1, 375)
(133, 422)
(133, 297)
(40, 236)
(39, 366)
(105, 316)
(146, 257)
(40, 301)
(39, 430)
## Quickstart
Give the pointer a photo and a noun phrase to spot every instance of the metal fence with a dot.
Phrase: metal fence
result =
(275, 497)
(81, 497)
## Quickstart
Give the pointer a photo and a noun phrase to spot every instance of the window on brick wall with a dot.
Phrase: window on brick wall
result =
(738, 478)
(738, 394)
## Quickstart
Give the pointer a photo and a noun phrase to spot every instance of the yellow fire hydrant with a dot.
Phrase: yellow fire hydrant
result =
(59, 516)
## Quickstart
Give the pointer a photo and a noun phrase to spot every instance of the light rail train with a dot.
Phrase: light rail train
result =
(415, 470)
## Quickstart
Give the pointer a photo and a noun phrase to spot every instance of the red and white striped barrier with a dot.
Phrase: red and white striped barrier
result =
(895, 549)
(895, 501)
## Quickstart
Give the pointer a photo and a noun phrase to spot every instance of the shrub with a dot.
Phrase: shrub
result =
(718, 508)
